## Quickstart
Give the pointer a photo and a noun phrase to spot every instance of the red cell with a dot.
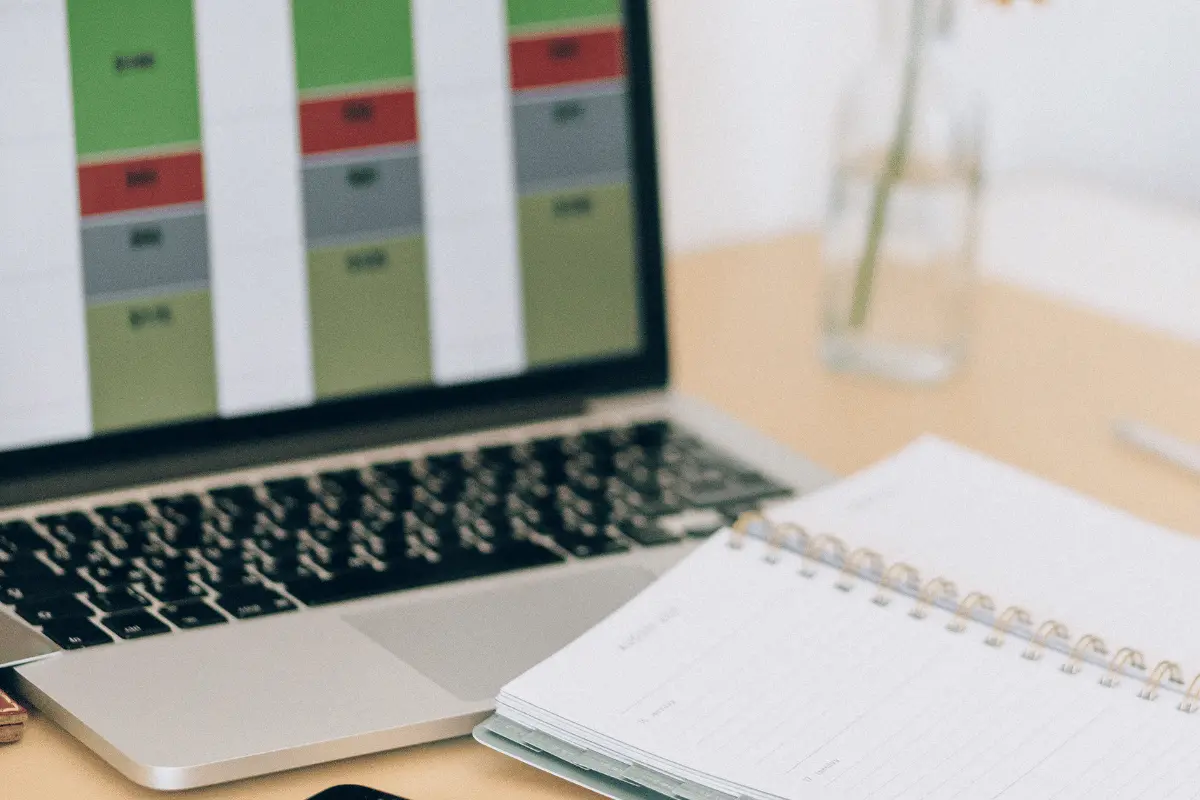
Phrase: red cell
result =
(141, 183)
(567, 58)
(365, 120)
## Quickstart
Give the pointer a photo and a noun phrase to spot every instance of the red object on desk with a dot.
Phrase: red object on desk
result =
(12, 719)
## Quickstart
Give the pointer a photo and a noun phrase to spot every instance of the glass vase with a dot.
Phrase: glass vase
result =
(897, 247)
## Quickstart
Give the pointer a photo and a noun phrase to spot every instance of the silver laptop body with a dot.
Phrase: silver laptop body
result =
(112, 402)
(249, 697)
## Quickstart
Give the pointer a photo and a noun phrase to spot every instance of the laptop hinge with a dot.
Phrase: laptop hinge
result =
(117, 473)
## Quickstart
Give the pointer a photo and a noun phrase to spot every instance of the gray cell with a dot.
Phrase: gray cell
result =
(362, 196)
(570, 137)
(139, 256)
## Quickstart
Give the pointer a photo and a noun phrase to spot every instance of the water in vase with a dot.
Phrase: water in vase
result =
(905, 315)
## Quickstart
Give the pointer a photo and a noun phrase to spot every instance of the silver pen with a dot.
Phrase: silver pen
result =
(1151, 440)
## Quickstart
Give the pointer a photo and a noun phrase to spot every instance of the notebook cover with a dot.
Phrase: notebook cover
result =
(600, 774)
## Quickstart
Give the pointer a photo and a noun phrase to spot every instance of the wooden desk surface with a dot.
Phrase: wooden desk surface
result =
(1042, 386)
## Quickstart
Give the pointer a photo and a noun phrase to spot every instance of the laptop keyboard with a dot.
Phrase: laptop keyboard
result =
(90, 576)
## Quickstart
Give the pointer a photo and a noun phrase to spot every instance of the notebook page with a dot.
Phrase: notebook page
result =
(989, 526)
(733, 667)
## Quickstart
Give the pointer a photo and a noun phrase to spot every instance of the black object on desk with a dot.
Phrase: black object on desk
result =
(353, 792)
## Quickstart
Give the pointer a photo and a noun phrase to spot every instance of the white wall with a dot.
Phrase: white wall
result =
(1104, 89)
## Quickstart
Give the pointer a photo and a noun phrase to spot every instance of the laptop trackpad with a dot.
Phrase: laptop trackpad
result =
(473, 644)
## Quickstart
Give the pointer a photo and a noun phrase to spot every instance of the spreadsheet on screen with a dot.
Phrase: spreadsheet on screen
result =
(215, 208)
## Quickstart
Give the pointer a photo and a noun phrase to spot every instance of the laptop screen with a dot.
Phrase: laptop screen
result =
(215, 209)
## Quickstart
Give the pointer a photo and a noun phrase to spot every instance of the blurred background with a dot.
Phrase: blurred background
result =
(1092, 160)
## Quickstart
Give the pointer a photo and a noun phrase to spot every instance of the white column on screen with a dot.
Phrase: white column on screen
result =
(469, 188)
(255, 215)
(44, 387)
(44, 390)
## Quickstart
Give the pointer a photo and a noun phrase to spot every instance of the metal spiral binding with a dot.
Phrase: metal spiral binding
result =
(1049, 628)
(1191, 701)
(1165, 669)
(937, 587)
(1126, 655)
(776, 541)
(1086, 642)
(899, 576)
(898, 571)
(966, 609)
(741, 528)
(1004, 624)
(802, 539)
(819, 546)
(852, 568)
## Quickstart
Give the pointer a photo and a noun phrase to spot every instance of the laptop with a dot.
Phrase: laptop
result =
(333, 367)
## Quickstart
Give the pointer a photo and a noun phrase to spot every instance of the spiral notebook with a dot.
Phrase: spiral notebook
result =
(780, 660)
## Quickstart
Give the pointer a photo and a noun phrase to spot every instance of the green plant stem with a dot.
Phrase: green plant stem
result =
(894, 167)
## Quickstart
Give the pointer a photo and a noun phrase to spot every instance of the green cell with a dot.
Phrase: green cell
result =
(133, 71)
(370, 317)
(562, 13)
(579, 275)
(342, 44)
(152, 361)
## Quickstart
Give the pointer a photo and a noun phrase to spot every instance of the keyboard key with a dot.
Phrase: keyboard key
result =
(25, 566)
(708, 494)
(110, 576)
(126, 514)
(346, 482)
(75, 556)
(497, 454)
(134, 624)
(130, 520)
(123, 598)
(20, 590)
(192, 614)
(393, 481)
(292, 494)
(238, 494)
(184, 534)
(347, 586)
(169, 567)
(181, 509)
(20, 537)
(232, 573)
(648, 533)
(237, 501)
(652, 434)
(73, 634)
(175, 589)
(287, 573)
(695, 523)
(586, 547)
(51, 609)
(288, 487)
(253, 601)
(294, 499)
(71, 528)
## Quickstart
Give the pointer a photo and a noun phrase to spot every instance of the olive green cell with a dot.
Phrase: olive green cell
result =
(557, 13)
(370, 317)
(579, 275)
(133, 74)
(152, 361)
(349, 43)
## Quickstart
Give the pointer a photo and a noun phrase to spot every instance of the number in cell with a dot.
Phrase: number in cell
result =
(560, 140)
